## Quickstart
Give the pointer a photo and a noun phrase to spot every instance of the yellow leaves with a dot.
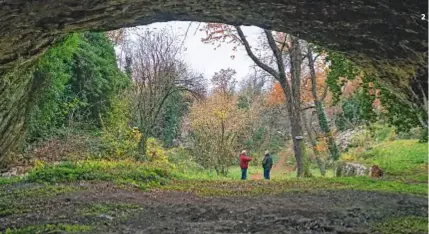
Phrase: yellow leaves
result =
(37, 164)
(136, 134)
(155, 152)
(217, 111)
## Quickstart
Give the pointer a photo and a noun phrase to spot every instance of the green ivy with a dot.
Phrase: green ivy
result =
(77, 80)
(339, 67)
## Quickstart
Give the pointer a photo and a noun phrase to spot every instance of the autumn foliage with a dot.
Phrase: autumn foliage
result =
(276, 96)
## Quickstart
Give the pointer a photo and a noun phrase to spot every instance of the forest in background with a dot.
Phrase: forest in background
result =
(145, 103)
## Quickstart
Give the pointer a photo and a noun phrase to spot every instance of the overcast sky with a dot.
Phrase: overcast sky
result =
(203, 58)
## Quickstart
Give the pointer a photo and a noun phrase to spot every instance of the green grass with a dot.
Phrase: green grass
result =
(409, 225)
(10, 180)
(121, 172)
(402, 157)
(9, 199)
(278, 186)
(50, 228)
(403, 162)
(315, 172)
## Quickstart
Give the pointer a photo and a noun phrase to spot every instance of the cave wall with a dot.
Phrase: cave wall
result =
(15, 99)
(382, 33)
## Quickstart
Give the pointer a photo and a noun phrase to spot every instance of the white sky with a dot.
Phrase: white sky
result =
(203, 58)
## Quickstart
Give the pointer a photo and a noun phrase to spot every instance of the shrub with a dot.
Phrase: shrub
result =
(348, 157)
(383, 133)
(155, 152)
(120, 143)
(361, 138)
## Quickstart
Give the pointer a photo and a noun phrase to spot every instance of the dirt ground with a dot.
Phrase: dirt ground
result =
(341, 211)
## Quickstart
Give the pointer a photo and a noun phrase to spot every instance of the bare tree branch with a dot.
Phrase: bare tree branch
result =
(253, 56)
(277, 54)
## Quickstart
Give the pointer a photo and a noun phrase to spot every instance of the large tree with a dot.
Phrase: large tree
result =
(217, 124)
(158, 74)
(288, 51)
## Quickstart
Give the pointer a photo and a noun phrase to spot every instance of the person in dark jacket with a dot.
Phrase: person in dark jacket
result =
(267, 164)
(244, 164)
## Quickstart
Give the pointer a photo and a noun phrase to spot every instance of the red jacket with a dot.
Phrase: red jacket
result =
(244, 161)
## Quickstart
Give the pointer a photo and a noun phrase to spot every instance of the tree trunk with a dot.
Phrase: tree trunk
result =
(323, 122)
(321, 115)
(294, 103)
(292, 92)
(143, 146)
(313, 141)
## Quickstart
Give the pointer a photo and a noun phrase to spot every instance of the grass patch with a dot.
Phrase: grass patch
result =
(122, 172)
(314, 172)
(50, 228)
(13, 201)
(398, 158)
(38, 191)
(10, 180)
(401, 160)
(409, 225)
(273, 187)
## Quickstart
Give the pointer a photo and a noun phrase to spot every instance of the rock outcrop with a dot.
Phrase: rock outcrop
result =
(350, 169)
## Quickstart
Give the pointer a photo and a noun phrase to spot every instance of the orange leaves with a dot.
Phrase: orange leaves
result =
(321, 145)
(276, 96)
(216, 34)
(306, 93)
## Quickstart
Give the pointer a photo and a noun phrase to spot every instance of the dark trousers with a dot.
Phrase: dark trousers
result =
(243, 173)
(267, 173)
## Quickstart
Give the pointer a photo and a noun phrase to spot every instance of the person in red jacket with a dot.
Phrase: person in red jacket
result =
(244, 164)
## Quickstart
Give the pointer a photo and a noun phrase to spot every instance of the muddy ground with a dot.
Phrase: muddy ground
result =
(341, 211)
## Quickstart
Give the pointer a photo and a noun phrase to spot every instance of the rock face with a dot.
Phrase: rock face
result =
(376, 34)
(343, 139)
(351, 169)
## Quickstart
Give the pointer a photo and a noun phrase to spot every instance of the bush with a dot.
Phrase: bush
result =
(120, 143)
(361, 138)
(348, 157)
(423, 135)
(413, 133)
(155, 152)
(383, 133)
